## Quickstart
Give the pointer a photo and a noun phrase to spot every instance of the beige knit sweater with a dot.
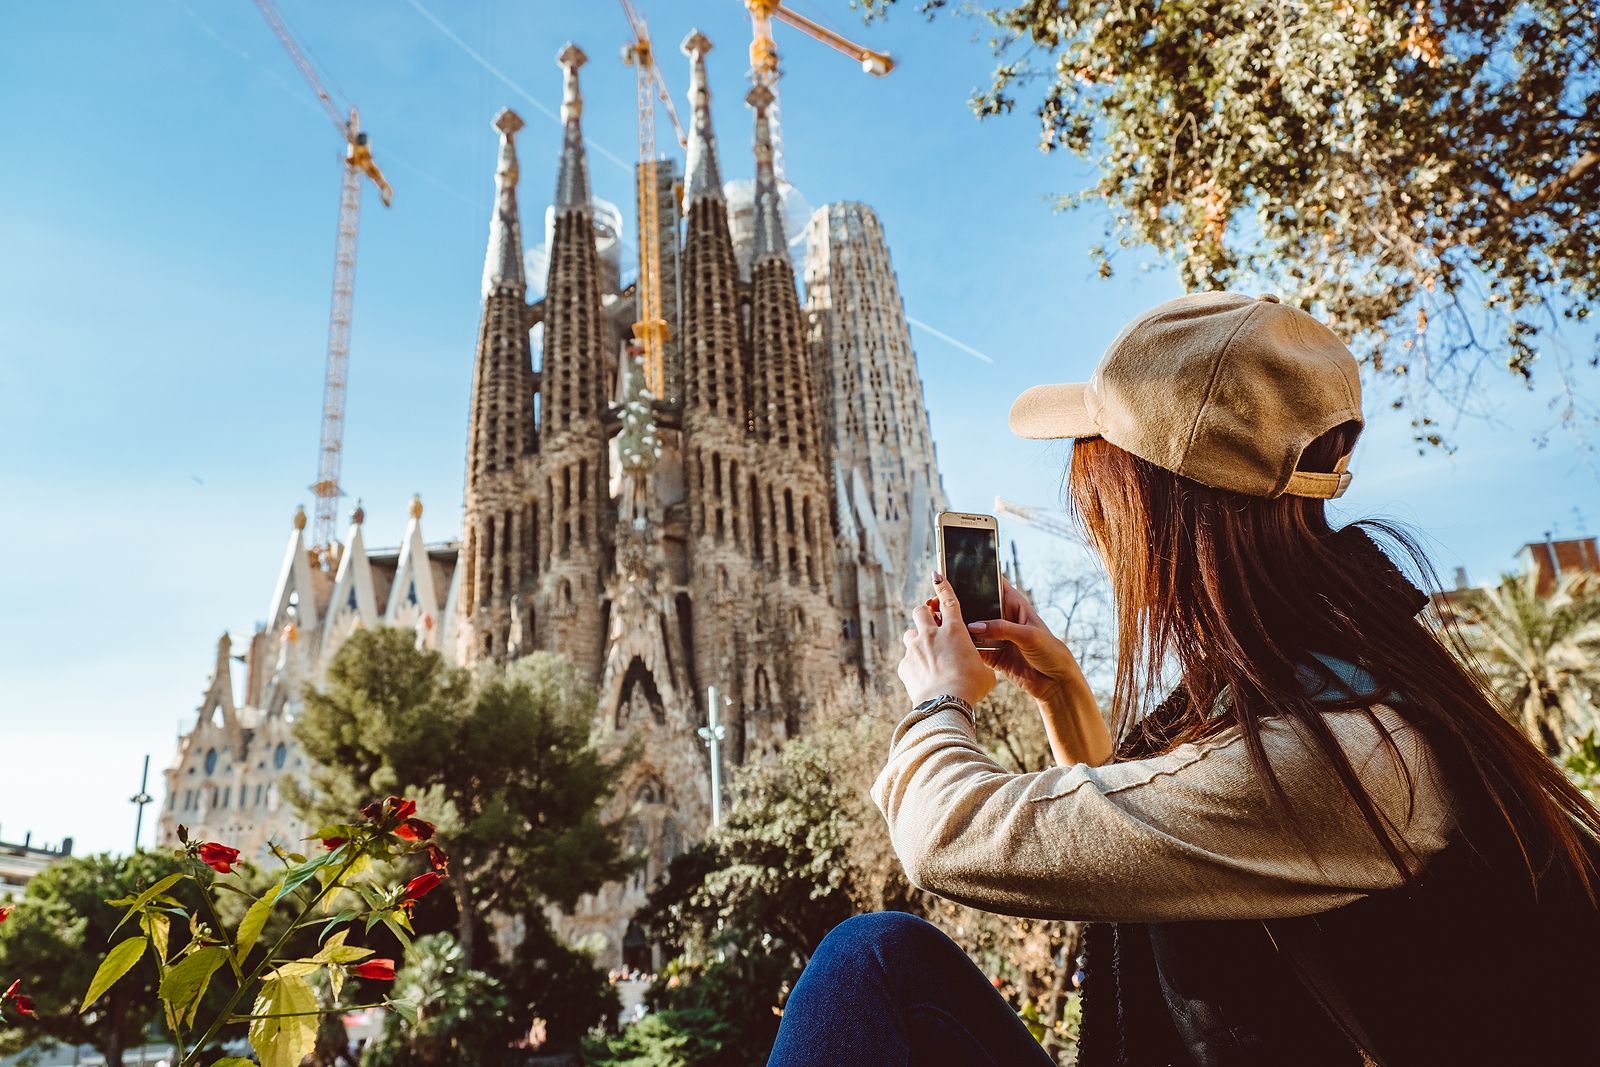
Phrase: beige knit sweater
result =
(1192, 834)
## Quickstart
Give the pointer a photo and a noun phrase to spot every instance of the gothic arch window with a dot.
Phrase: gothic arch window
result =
(650, 791)
(280, 755)
(671, 846)
(211, 761)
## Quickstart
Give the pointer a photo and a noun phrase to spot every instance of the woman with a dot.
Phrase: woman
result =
(1324, 846)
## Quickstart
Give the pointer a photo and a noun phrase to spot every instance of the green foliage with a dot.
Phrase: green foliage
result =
(775, 865)
(461, 1018)
(1539, 652)
(55, 940)
(694, 1037)
(800, 849)
(504, 758)
(1413, 173)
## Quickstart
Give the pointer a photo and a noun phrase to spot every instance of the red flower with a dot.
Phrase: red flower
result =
(21, 1001)
(219, 858)
(393, 807)
(414, 830)
(401, 808)
(5, 912)
(438, 860)
(376, 970)
(331, 843)
(421, 885)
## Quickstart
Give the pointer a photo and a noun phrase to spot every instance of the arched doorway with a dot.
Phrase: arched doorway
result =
(636, 949)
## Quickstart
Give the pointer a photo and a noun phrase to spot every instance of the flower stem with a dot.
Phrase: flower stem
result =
(319, 1011)
(256, 971)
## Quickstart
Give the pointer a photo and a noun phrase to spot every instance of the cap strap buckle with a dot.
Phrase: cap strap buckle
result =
(1323, 485)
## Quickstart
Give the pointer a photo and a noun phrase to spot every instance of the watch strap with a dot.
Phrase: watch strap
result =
(948, 700)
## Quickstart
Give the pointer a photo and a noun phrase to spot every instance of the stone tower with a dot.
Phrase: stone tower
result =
(500, 540)
(716, 415)
(885, 471)
(796, 633)
(574, 559)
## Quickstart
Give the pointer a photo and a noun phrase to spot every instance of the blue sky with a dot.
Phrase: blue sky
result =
(167, 203)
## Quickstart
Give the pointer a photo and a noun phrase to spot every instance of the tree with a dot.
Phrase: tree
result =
(501, 755)
(1414, 173)
(1540, 653)
(54, 941)
(455, 1002)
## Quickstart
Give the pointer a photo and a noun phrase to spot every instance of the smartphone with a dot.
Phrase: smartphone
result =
(969, 556)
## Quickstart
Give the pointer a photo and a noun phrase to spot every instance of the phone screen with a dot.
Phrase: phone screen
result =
(972, 564)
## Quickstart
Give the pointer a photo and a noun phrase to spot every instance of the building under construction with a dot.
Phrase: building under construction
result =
(755, 513)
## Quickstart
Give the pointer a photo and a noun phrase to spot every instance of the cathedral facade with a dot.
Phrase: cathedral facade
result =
(761, 528)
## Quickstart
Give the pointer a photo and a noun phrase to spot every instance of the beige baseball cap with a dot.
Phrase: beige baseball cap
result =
(1223, 389)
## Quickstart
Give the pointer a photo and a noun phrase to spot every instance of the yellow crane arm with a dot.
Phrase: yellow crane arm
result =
(875, 63)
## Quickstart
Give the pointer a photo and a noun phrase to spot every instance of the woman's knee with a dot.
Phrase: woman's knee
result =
(880, 932)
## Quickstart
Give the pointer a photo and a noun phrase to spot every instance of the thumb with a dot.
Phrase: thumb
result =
(1024, 637)
(949, 606)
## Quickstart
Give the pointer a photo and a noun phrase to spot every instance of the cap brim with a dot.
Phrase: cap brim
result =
(1053, 411)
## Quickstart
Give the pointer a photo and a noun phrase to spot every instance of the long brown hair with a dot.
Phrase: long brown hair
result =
(1232, 594)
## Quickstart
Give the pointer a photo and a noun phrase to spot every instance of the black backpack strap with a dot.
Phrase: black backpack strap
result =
(1299, 944)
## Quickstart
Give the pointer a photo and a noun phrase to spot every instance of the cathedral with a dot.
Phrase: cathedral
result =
(762, 527)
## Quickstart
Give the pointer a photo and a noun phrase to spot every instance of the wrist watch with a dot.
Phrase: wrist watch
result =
(948, 700)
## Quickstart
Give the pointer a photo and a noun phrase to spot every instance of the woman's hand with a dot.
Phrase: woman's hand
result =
(1032, 658)
(940, 657)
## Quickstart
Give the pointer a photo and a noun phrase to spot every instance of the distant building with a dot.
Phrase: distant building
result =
(20, 863)
(762, 525)
(1553, 561)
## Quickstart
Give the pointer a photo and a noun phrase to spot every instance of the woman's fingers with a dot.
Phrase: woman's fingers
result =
(922, 618)
(949, 606)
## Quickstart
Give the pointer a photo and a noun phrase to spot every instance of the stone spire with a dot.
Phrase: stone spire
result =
(496, 553)
(572, 180)
(704, 177)
(576, 517)
(502, 265)
(768, 203)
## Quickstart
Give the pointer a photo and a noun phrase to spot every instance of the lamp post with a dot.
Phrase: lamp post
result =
(139, 800)
(712, 734)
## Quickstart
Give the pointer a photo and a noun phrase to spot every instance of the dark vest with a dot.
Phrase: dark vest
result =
(1466, 967)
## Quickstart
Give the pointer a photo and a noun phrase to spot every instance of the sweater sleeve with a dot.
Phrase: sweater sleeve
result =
(1191, 834)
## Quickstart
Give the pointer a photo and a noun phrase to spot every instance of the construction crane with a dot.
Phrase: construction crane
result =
(651, 329)
(1051, 522)
(358, 162)
(764, 56)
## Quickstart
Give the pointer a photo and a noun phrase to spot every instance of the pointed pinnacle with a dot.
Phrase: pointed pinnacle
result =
(570, 59)
(508, 122)
(696, 45)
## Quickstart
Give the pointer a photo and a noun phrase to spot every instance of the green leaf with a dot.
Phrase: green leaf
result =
(118, 962)
(148, 895)
(285, 1040)
(336, 951)
(294, 969)
(401, 933)
(343, 917)
(405, 1009)
(156, 927)
(254, 921)
(299, 876)
(185, 981)
(234, 1061)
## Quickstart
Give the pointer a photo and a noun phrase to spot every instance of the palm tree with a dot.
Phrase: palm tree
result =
(1540, 654)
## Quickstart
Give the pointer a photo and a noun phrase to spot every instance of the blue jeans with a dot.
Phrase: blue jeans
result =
(890, 990)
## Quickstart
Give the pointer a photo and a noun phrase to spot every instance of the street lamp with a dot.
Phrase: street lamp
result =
(139, 800)
(712, 734)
